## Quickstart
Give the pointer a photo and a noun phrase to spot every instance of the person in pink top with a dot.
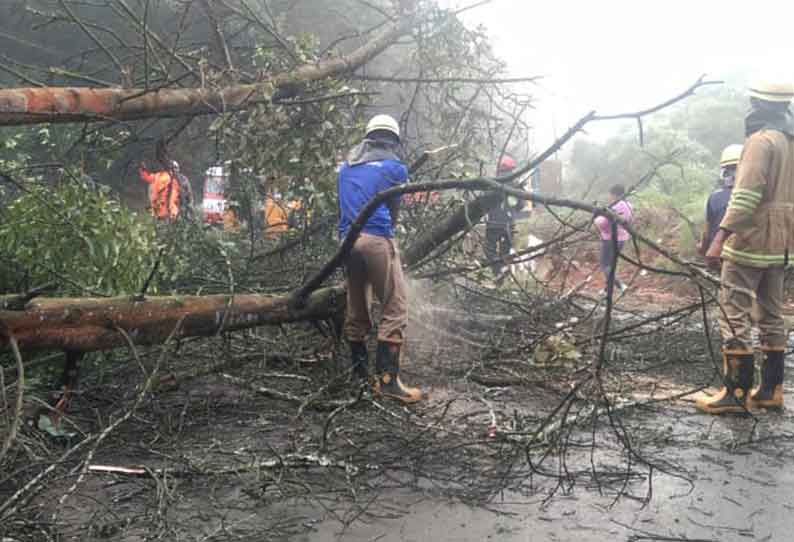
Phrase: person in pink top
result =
(624, 210)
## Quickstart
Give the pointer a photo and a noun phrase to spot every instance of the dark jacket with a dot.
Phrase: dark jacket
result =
(716, 206)
(502, 217)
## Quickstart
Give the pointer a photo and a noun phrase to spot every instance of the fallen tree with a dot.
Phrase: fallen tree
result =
(23, 106)
(90, 324)
(84, 325)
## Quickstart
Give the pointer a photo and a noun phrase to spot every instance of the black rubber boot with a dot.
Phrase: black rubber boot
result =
(769, 393)
(733, 397)
(387, 367)
(359, 359)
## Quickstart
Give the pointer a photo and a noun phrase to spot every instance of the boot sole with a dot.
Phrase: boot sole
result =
(723, 410)
(765, 405)
(407, 401)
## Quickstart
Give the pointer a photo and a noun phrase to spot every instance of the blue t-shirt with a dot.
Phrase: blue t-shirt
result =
(716, 206)
(358, 184)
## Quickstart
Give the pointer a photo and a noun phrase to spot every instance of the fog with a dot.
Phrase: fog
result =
(623, 55)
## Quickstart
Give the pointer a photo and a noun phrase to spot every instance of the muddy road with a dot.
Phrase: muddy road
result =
(732, 490)
(254, 445)
(727, 479)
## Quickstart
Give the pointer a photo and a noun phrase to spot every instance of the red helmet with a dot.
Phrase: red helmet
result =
(506, 164)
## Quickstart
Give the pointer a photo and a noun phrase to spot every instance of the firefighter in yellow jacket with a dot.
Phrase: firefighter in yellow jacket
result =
(755, 242)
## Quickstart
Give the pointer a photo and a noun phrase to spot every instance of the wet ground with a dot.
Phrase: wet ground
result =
(734, 491)
(225, 462)
(728, 479)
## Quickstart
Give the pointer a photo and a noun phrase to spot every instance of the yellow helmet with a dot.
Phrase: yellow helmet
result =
(771, 91)
(730, 155)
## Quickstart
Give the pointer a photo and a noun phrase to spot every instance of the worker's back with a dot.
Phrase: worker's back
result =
(761, 212)
(359, 183)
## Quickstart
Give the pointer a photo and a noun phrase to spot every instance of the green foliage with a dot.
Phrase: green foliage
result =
(687, 242)
(714, 119)
(681, 165)
(288, 148)
(82, 239)
(76, 236)
(682, 148)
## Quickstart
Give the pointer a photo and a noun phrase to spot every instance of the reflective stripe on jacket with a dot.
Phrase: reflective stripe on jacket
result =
(163, 193)
(761, 211)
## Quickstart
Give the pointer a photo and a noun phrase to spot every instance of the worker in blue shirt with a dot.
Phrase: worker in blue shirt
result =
(373, 264)
(718, 200)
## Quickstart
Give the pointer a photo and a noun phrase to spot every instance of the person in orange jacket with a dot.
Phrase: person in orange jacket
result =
(163, 191)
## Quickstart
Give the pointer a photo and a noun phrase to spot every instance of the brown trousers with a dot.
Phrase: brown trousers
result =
(374, 266)
(748, 295)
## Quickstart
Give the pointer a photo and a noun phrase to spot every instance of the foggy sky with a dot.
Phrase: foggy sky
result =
(621, 55)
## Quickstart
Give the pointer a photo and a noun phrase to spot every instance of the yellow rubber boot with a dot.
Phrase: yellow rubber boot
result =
(388, 383)
(738, 379)
(769, 393)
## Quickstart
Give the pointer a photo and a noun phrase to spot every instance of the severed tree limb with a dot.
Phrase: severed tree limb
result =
(281, 462)
(473, 211)
(443, 80)
(83, 325)
(22, 106)
(91, 324)
(496, 189)
(86, 325)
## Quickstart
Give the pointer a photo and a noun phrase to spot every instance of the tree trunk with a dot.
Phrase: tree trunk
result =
(464, 217)
(85, 325)
(20, 106)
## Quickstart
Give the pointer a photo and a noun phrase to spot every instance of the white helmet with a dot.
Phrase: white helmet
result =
(771, 91)
(383, 122)
(175, 166)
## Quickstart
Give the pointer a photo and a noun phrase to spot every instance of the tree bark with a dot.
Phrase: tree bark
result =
(85, 325)
(465, 216)
(22, 106)
(94, 324)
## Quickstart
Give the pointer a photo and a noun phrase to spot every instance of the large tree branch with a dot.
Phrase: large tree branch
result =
(444, 80)
(496, 188)
(20, 106)
(86, 325)
(91, 324)
(471, 213)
